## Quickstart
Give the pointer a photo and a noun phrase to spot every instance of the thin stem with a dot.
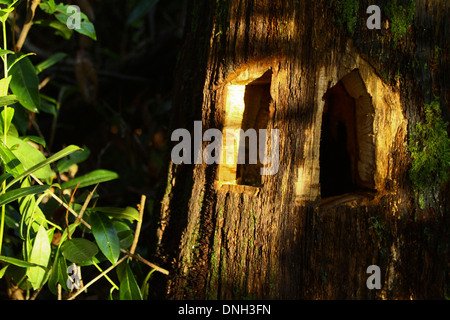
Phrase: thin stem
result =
(107, 278)
(138, 225)
(96, 278)
(5, 66)
(2, 225)
(86, 203)
(151, 265)
(27, 26)
(54, 196)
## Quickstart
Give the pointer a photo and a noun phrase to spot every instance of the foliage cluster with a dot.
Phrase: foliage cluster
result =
(346, 13)
(45, 225)
(400, 18)
(429, 145)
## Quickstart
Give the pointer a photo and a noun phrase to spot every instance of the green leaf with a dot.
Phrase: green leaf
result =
(4, 85)
(29, 157)
(3, 52)
(72, 228)
(18, 262)
(124, 233)
(35, 139)
(145, 285)
(4, 13)
(12, 218)
(20, 119)
(141, 10)
(45, 163)
(106, 236)
(40, 254)
(79, 156)
(3, 270)
(77, 21)
(58, 274)
(94, 177)
(129, 213)
(79, 251)
(12, 164)
(60, 28)
(55, 58)
(15, 194)
(7, 100)
(48, 6)
(7, 114)
(9, 3)
(17, 59)
(48, 107)
(32, 215)
(25, 83)
(129, 288)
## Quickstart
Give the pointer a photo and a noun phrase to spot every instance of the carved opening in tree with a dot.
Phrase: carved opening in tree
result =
(347, 147)
(247, 111)
(256, 116)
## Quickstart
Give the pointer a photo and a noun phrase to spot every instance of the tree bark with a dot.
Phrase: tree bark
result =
(281, 240)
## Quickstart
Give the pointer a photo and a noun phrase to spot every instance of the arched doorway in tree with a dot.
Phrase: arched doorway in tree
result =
(347, 148)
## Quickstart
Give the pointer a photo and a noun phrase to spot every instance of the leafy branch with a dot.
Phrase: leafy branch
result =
(35, 185)
(429, 145)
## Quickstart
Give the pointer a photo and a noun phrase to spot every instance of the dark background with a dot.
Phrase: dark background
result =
(123, 116)
(125, 125)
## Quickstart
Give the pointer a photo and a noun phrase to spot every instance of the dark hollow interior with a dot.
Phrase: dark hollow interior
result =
(338, 146)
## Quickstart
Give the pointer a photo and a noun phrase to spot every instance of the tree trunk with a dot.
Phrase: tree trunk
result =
(297, 234)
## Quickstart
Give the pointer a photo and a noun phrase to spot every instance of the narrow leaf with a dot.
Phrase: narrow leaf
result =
(129, 213)
(77, 21)
(29, 157)
(79, 250)
(58, 274)
(18, 262)
(59, 28)
(141, 10)
(8, 100)
(129, 288)
(6, 118)
(55, 58)
(48, 6)
(106, 236)
(64, 164)
(3, 270)
(40, 254)
(4, 86)
(4, 13)
(124, 233)
(15, 194)
(24, 83)
(66, 151)
(18, 58)
(12, 164)
(3, 52)
(94, 177)
(48, 107)
(35, 139)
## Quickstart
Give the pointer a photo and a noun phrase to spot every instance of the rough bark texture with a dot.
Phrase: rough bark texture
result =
(276, 242)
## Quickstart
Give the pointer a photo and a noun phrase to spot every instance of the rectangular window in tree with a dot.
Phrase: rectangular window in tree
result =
(247, 113)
